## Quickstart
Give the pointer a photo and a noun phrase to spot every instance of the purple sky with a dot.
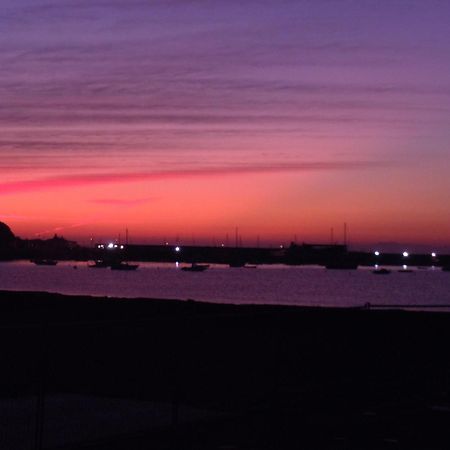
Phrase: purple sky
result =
(356, 93)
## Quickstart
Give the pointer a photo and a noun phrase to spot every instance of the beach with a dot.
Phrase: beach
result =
(206, 375)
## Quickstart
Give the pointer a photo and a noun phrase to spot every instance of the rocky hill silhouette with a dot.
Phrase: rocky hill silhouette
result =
(6, 235)
(13, 247)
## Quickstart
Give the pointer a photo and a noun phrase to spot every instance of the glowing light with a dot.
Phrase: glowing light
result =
(376, 266)
(177, 249)
(177, 264)
(405, 266)
(110, 245)
(121, 247)
(405, 254)
(433, 255)
(377, 253)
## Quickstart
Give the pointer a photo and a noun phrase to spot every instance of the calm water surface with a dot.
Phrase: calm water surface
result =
(266, 284)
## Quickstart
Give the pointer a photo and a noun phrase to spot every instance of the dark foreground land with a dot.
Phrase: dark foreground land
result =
(78, 372)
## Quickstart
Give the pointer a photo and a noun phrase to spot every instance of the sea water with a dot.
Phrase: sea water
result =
(271, 284)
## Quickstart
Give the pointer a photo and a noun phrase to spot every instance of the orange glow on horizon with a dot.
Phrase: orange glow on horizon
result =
(274, 206)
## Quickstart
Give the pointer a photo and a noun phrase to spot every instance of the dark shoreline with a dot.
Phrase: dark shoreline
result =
(284, 376)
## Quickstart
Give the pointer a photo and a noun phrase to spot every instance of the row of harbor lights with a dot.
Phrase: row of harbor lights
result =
(405, 254)
(110, 246)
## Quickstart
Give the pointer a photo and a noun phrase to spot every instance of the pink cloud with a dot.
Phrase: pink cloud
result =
(122, 202)
(61, 182)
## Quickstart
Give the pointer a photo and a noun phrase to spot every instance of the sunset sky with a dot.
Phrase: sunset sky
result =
(189, 118)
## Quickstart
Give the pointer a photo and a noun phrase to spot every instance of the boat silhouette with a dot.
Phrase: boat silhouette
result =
(99, 264)
(194, 267)
(44, 262)
(124, 266)
(121, 264)
(381, 271)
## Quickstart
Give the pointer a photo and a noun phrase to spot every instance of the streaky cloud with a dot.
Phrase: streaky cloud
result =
(60, 182)
(123, 202)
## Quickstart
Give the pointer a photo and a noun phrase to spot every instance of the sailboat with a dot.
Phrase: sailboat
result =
(44, 262)
(381, 271)
(342, 262)
(99, 264)
(123, 265)
(194, 267)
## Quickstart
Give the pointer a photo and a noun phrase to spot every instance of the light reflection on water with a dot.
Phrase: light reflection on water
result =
(276, 284)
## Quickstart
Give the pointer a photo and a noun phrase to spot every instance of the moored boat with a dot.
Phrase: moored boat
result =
(194, 267)
(99, 264)
(124, 266)
(44, 262)
(381, 271)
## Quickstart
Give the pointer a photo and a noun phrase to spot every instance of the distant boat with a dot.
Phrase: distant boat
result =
(44, 262)
(124, 266)
(381, 271)
(99, 264)
(244, 265)
(194, 267)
